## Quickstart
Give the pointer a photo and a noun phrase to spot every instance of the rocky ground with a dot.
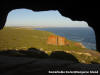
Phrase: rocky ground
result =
(28, 66)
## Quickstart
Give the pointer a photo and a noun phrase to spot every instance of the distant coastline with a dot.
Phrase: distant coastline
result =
(43, 27)
(84, 35)
(23, 39)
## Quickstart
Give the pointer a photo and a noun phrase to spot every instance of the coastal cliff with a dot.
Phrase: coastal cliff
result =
(13, 38)
(62, 41)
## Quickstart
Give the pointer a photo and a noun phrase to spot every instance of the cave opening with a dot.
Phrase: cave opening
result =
(54, 22)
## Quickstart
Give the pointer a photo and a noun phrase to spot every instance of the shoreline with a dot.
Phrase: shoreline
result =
(35, 28)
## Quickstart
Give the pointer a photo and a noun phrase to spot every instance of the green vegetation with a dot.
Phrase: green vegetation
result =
(24, 38)
(14, 38)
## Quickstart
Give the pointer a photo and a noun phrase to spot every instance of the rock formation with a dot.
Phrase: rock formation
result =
(60, 41)
(52, 40)
(57, 40)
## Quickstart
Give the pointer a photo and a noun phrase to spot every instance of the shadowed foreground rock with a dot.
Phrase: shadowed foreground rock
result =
(34, 66)
(31, 52)
(63, 56)
(36, 62)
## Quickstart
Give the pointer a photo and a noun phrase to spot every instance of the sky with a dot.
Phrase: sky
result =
(26, 17)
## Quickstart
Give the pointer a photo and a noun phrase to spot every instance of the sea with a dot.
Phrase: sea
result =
(84, 35)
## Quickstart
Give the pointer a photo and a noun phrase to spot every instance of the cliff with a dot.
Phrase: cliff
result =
(62, 41)
(12, 38)
(56, 40)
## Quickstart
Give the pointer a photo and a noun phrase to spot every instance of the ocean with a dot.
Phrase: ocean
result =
(84, 35)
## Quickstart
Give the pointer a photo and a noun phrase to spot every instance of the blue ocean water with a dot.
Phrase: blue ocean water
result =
(84, 35)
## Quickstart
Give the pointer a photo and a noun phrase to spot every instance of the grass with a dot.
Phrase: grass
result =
(24, 38)
(14, 38)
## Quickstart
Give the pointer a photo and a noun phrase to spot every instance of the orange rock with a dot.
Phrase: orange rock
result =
(61, 40)
(57, 40)
(52, 40)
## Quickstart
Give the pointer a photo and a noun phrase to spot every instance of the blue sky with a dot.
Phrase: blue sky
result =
(26, 17)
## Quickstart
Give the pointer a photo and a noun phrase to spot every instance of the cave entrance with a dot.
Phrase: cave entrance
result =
(52, 21)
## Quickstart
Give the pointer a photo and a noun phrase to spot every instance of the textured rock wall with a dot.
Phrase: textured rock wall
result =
(56, 40)
(52, 40)
(61, 40)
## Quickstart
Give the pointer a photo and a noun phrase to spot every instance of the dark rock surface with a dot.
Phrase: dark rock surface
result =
(37, 62)
(28, 66)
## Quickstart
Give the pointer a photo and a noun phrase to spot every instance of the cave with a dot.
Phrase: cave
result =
(82, 11)
(75, 10)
